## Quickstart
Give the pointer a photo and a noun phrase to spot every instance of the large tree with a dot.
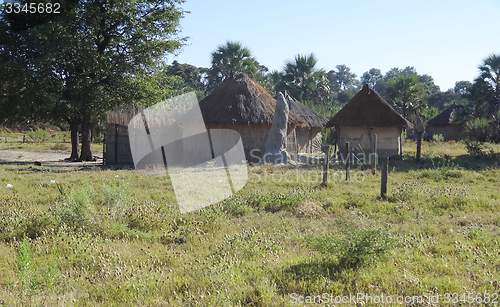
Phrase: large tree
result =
(371, 77)
(406, 94)
(94, 55)
(305, 81)
(229, 60)
(490, 74)
(341, 79)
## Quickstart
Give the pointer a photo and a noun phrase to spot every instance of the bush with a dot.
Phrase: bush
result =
(357, 248)
(75, 212)
(442, 171)
(474, 148)
(117, 197)
(38, 136)
(26, 270)
(437, 138)
(236, 206)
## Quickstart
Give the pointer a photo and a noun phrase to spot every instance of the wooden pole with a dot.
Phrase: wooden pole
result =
(383, 184)
(327, 164)
(419, 144)
(116, 143)
(24, 138)
(374, 154)
(347, 162)
(401, 143)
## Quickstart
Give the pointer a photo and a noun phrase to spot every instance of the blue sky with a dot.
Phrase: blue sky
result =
(445, 39)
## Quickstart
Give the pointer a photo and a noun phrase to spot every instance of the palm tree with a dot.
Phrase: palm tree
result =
(406, 93)
(228, 61)
(490, 74)
(305, 81)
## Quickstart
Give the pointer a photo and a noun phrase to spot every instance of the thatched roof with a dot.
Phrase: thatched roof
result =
(312, 118)
(444, 118)
(242, 101)
(368, 109)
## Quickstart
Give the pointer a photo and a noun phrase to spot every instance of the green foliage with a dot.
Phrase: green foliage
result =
(406, 94)
(274, 202)
(371, 77)
(228, 61)
(437, 138)
(342, 79)
(75, 211)
(476, 149)
(75, 73)
(473, 234)
(490, 73)
(440, 198)
(117, 197)
(305, 81)
(356, 247)
(52, 273)
(189, 76)
(38, 136)
(26, 269)
(444, 170)
(236, 206)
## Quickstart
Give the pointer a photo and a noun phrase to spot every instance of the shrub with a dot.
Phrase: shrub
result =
(38, 136)
(357, 247)
(437, 138)
(442, 171)
(474, 149)
(117, 197)
(26, 270)
(236, 206)
(75, 212)
(440, 197)
(52, 272)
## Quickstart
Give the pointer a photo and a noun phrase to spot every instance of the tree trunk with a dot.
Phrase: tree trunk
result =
(86, 154)
(73, 126)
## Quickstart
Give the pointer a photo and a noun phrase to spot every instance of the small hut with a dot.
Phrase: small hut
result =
(443, 124)
(365, 115)
(308, 137)
(116, 148)
(243, 105)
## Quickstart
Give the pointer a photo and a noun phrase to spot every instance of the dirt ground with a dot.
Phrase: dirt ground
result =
(49, 158)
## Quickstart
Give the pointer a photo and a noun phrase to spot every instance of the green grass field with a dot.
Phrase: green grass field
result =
(116, 238)
(48, 140)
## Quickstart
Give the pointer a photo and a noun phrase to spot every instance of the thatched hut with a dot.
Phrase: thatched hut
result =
(309, 136)
(443, 124)
(243, 105)
(366, 114)
(116, 148)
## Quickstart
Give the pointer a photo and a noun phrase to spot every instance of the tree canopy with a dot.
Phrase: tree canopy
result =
(229, 60)
(88, 59)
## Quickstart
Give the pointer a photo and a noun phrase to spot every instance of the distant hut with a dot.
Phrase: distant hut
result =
(443, 124)
(243, 105)
(308, 137)
(363, 116)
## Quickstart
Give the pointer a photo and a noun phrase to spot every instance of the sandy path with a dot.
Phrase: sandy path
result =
(45, 157)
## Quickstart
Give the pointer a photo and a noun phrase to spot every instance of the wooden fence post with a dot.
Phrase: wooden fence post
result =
(383, 184)
(374, 159)
(327, 164)
(116, 143)
(419, 144)
(347, 162)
